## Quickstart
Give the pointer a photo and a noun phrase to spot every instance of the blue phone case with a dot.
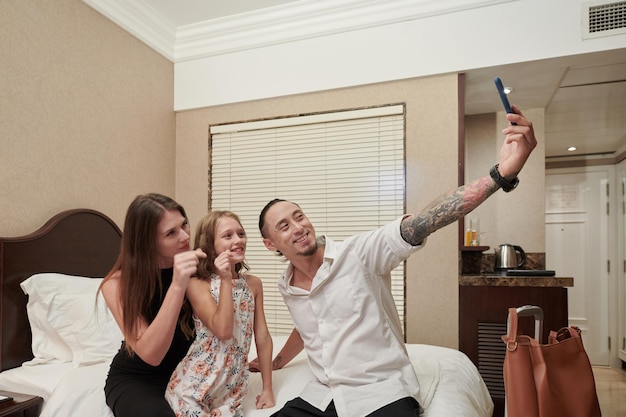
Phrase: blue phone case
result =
(503, 97)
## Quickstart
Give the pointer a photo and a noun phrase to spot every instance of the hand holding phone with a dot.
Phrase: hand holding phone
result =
(503, 97)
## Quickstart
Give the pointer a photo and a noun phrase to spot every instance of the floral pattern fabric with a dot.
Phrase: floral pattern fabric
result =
(212, 378)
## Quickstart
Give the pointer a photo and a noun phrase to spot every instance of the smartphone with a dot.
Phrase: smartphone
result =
(503, 97)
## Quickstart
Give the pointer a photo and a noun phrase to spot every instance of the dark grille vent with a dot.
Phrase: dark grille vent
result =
(491, 352)
(606, 17)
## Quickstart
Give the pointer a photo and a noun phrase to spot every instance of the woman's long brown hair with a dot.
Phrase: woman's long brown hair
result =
(140, 277)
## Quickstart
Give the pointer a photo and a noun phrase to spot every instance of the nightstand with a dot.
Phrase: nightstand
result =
(22, 405)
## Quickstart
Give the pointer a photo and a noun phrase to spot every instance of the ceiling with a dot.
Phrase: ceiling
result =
(584, 95)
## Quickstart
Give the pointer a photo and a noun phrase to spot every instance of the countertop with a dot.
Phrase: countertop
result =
(498, 280)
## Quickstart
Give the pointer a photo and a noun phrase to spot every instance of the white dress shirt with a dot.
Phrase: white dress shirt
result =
(350, 326)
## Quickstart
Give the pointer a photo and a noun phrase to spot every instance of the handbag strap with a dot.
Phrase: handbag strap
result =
(564, 333)
(511, 337)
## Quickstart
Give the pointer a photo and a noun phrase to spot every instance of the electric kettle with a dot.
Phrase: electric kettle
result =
(506, 256)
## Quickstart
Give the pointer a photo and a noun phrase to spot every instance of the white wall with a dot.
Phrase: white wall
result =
(483, 34)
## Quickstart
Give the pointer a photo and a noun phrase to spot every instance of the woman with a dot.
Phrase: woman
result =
(145, 291)
(212, 380)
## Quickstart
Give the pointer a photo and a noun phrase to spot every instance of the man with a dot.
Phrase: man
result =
(343, 311)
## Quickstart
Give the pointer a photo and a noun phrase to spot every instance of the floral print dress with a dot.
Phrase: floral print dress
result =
(212, 379)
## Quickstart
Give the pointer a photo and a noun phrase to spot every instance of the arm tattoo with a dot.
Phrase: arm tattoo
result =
(446, 209)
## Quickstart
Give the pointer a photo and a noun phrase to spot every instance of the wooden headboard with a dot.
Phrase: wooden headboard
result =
(79, 242)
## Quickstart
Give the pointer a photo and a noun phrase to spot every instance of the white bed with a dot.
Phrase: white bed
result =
(73, 342)
(450, 384)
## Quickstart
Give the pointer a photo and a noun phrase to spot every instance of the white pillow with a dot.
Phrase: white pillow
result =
(88, 328)
(66, 322)
(47, 344)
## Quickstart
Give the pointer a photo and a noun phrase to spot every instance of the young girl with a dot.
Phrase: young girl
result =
(227, 305)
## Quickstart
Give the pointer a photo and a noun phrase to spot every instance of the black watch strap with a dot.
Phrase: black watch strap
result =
(501, 181)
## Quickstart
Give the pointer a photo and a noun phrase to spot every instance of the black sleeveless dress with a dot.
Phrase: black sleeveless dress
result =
(134, 388)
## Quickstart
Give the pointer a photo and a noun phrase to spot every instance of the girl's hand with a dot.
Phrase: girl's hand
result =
(265, 400)
(223, 265)
(253, 365)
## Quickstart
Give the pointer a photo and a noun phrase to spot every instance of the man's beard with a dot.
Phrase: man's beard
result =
(320, 241)
(311, 251)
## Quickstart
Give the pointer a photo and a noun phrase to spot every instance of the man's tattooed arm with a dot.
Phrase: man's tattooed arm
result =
(446, 209)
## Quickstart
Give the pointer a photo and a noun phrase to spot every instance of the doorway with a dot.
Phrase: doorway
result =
(577, 225)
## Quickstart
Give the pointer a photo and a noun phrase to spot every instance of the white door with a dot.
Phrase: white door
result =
(577, 245)
(621, 257)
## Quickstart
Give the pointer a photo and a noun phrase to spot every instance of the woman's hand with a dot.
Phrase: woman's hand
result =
(185, 266)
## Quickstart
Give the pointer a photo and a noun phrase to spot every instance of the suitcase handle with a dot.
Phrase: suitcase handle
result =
(530, 310)
(527, 310)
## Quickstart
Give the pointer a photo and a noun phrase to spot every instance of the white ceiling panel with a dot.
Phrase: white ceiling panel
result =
(584, 95)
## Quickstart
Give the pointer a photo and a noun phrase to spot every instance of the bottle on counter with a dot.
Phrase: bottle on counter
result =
(471, 235)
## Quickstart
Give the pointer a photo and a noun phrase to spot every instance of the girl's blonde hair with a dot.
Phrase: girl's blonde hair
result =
(205, 240)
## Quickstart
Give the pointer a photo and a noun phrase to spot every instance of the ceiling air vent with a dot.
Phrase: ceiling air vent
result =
(604, 19)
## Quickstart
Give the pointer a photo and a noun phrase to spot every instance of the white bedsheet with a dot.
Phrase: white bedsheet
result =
(450, 385)
(459, 389)
(37, 380)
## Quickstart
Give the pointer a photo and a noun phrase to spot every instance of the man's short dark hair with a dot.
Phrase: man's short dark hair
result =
(264, 211)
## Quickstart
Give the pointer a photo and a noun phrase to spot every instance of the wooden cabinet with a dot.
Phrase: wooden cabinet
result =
(21, 405)
(483, 310)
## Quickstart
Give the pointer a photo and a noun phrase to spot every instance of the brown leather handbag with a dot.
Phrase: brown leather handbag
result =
(547, 380)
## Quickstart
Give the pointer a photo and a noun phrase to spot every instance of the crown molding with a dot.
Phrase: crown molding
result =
(289, 22)
(142, 21)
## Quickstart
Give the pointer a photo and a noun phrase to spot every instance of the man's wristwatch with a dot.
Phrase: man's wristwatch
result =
(501, 181)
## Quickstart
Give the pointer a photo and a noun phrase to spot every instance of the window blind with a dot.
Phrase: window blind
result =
(345, 169)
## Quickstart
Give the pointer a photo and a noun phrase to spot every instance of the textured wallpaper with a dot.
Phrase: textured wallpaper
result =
(86, 114)
(432, 124)
(431, 150)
